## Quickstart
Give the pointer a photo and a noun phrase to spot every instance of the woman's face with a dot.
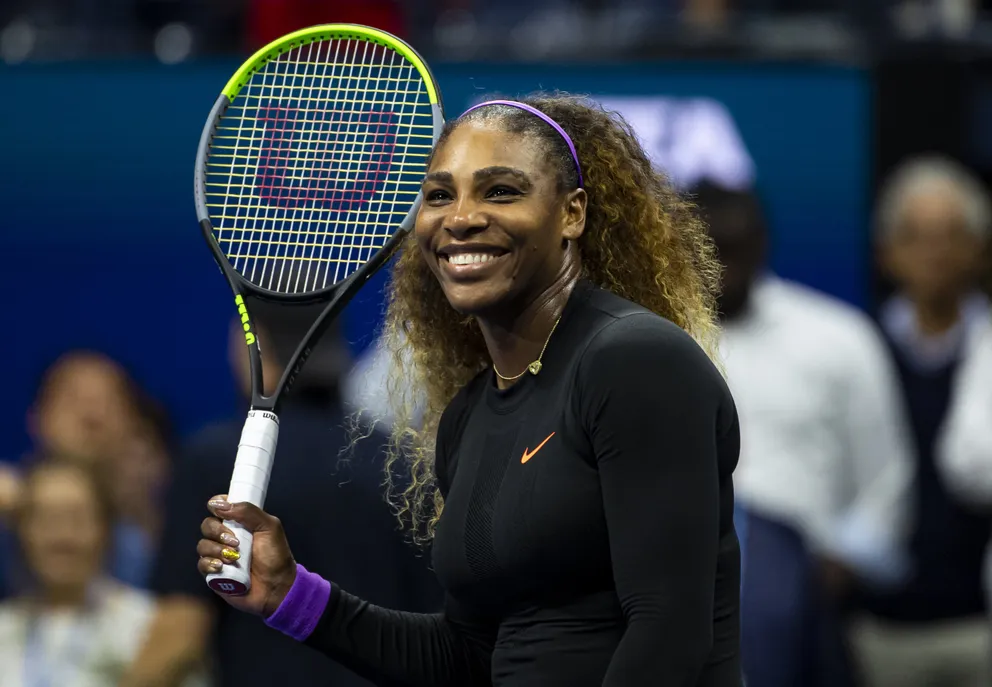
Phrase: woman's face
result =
(85, 412)
(62, 530)
(493, 224)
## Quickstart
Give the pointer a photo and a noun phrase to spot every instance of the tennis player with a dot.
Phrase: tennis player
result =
(573, 468)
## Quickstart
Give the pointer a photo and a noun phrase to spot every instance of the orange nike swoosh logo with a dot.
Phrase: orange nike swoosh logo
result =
(530, 454)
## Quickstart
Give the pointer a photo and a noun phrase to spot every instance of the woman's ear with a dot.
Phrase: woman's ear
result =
(575, 215)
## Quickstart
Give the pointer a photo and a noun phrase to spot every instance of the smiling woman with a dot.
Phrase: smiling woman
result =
(638, 239)
(573, 471)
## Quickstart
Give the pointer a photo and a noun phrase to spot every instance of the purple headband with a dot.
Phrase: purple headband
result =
(537, 113)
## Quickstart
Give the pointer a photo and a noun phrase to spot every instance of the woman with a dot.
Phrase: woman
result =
(584, 441)
(76, 628)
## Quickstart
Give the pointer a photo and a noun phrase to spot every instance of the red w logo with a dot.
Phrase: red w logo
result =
(337, 159)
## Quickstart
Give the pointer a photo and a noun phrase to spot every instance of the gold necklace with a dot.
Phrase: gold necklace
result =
(535, 366)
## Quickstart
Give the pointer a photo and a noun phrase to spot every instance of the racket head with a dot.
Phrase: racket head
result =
(309, 167)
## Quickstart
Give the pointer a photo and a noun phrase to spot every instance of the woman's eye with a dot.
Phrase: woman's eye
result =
(437, 195)
(502, 192)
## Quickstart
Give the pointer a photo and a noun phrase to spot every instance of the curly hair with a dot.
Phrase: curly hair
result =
(642, 241)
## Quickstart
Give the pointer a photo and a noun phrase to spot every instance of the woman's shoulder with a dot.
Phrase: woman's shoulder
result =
(627, 341)
(622, 327)
(124, 618)
(124, 602)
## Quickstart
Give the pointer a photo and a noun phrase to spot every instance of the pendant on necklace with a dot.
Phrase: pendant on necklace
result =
(534, 367)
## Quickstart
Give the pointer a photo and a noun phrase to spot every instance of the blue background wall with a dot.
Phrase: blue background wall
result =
(101, 246)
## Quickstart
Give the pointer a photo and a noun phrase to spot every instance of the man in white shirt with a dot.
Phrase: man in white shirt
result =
(824, 447)
(823, 444)
(824, 434)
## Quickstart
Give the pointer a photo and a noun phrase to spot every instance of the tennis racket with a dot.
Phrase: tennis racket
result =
(307, 178)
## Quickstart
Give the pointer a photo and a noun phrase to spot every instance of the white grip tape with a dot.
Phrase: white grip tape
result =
(249, 482)
(254, 462)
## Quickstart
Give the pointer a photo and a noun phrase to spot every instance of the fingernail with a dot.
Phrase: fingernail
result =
(220, 505)
(230, 554)
(229, 539)
(216, 565)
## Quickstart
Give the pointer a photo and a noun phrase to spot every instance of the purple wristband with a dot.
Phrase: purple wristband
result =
(299, 612)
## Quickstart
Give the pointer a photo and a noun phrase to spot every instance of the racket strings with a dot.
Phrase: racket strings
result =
(317, 162)
(308, 145)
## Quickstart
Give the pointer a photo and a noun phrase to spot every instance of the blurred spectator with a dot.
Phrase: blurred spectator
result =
(87, 413)
(74, 627)
(83, 410)
(335, 512)
(823, 438)
(932, 225)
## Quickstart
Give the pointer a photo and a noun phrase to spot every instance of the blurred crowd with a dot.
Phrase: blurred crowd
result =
(99, 519)
(864, 486)
(176, 30)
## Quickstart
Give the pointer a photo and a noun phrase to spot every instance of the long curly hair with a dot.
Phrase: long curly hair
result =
(642, 241)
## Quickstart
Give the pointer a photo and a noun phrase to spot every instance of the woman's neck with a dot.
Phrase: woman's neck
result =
(62, 598)
(516, 342)
(937, 316)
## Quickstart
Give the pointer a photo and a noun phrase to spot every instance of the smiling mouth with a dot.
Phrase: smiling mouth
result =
(471, 262)
(470, 258)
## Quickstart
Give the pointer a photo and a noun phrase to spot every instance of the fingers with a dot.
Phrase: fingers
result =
(209, 566)
(214, 529)
(219, 506)
(208, 548)
(249, 516)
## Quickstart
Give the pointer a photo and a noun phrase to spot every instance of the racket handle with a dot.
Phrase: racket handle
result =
(248, 484)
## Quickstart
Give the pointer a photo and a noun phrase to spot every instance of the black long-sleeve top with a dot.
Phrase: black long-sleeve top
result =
(587, 536)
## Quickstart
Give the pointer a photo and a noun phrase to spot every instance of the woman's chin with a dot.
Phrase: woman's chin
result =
(473, 299)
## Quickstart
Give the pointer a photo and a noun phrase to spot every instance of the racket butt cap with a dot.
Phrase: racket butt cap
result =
(228, 586)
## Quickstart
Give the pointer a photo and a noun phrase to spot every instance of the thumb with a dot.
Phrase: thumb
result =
(248, 515)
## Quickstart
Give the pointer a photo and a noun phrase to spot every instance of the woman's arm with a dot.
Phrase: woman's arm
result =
(385, 646)
(449, 649)
(650, 398)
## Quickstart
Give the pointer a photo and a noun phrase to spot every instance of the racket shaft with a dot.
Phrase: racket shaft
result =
(249, 483)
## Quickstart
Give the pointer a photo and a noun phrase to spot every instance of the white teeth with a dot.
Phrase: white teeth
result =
(469, 258)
